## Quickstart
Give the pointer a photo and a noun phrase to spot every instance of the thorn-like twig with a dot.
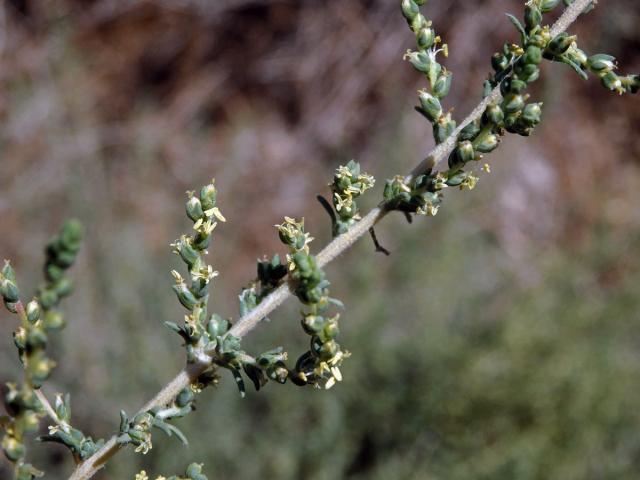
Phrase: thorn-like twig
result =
(379, 248)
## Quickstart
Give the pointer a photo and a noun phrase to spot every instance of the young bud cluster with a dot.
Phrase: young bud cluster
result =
(425, 61)
(348, 184)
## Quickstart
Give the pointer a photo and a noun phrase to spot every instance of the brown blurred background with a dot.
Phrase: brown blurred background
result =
(500, 340)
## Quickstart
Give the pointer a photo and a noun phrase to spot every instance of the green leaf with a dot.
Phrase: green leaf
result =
(518, 26)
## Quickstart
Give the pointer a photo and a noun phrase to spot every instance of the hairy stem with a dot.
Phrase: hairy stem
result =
(244, 325)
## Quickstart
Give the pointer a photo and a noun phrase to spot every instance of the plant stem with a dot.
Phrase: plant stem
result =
(48, 408)
(244, 325)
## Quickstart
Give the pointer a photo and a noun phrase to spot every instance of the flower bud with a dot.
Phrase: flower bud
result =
(53, 320)
(53, 272)
(48, 298)
(208, 195)
(548, 5)
(470, 131)
(33, 311)
(443, 84)
(532, 55)
(532, 17)
(186, 298)
(612, 82)
(430, 106)
(70, 236)
(184, 398)
(560, 44)
(217, 326)
(418, 22)
(425, 38)
(443, 128)
(313, 324)
(9, 290)
(494, 114)
(409, 9)
(487, 144)
(513, 103)
(465, 152)
(63, 287)
(193, 208)
(499, 62)
(64, 258)
(13, 449)
(529, 73)
(601, 63)
(30, 421)
(8, 272)
(62, 406)
(531, 114)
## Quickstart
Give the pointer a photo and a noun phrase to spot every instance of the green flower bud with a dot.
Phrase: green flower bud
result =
(409, 9)
(13, 449)
(425, 38)
(548, 5)
(487, 144)
(331, 330)
(193, 471)
(631, 83)
(53, 320)
(39, 369)
(499, 62)
(186, 298)
(188, 254)
(494, 114)
(26, 471)
(560, 44)
(532, 17)
(601, 63)
(510, 121)
(430, 105)
(531, 114)
(323, 350)
(9, 290)
(48, 298)
(470, 131)
(465, 151)
(8, 272)
(30, 421)
(443, 128)
(514, 85)
(532, 55)
(529, 73)
(513, 103)
(62, 406)
(185, 397)
(33, 311)
(64, 259)
(443, 84)
(53, 272)
(36, 338)
(418, 22)
(63, 287)
(208, 195)
(612, 82)
(217, 326)
(313, 324)
(71, 235)
(193, 207)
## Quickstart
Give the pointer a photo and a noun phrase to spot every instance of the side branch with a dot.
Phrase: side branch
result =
(244, 325)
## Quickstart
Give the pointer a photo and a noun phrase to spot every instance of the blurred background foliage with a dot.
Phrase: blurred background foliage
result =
(500, 340)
